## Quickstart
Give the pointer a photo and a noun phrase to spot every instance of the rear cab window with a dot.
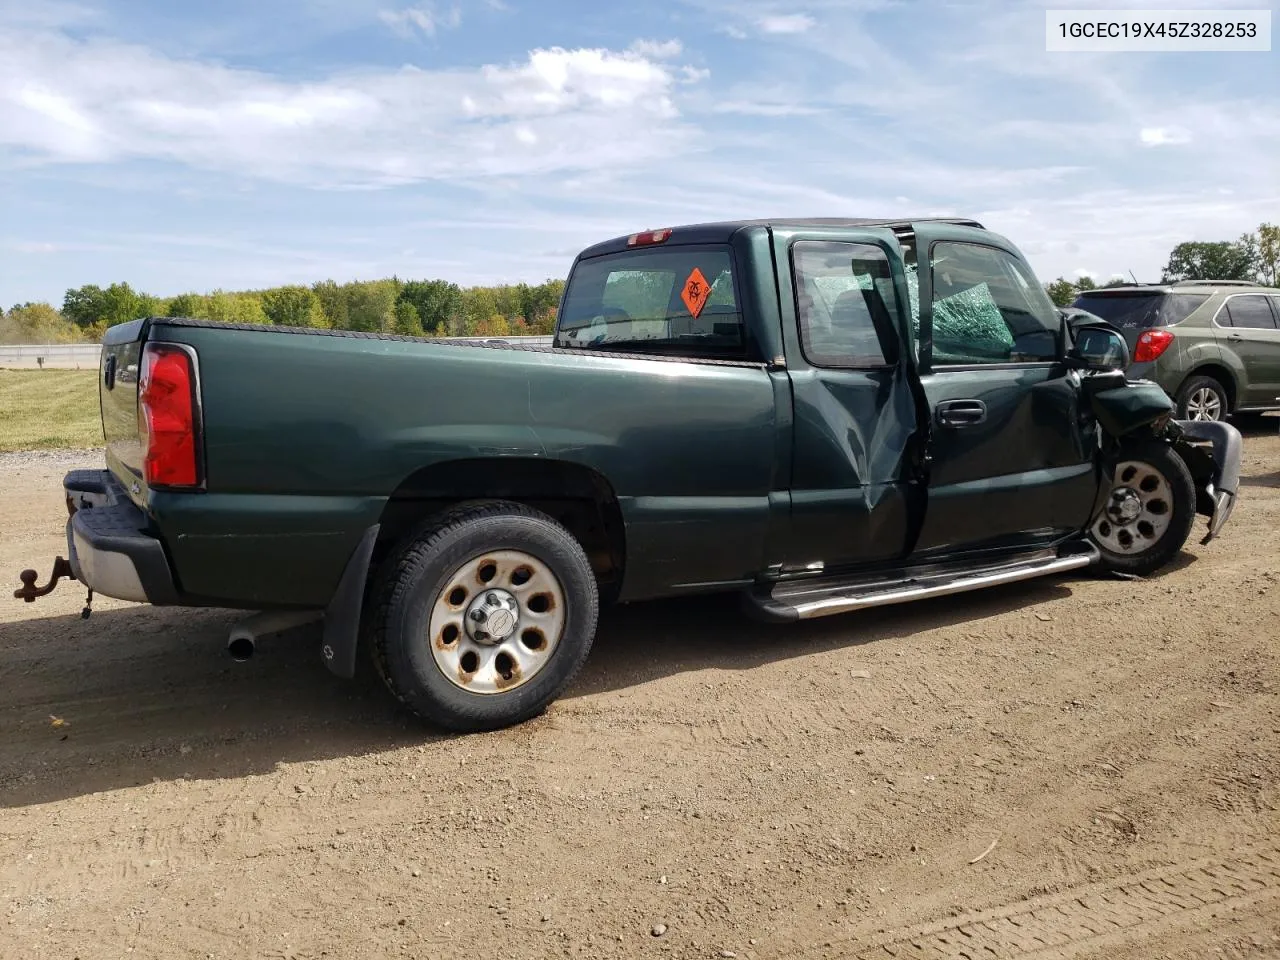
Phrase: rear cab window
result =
(1141, 309)
(673, 301)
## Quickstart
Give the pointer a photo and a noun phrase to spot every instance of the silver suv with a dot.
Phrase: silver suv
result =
(1214, 345)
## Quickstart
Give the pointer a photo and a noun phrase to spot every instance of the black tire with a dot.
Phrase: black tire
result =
(1181, 511)
(1195, 386)
(412, 581)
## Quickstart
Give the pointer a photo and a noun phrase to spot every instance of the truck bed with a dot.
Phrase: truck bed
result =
(307, 434)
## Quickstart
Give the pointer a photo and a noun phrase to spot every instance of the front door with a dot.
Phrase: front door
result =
(1011, 461)
(1248, 323)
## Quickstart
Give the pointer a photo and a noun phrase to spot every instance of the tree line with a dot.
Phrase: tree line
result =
(438, 308)
(433, 308)
(1254, 256)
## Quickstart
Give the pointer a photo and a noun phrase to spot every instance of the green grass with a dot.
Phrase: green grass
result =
(49, 409)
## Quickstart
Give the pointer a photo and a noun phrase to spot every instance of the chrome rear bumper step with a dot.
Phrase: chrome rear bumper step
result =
(822, 597)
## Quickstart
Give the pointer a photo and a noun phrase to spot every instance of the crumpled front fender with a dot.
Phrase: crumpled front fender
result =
(1212, 452)
(1128, 406)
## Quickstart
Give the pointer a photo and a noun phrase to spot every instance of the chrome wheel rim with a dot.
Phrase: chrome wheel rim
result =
(1204, 404)
(496, 622)
(1138, 511)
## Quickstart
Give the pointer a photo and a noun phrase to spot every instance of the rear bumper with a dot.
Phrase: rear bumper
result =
(110, 550)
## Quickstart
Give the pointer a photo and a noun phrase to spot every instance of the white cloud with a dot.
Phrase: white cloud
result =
(1164, 136)
(657, 50)
(64, 100)
(764, 108)
(422, 17)
(786, 23)
(46, 13)
(589, 143)
(32, 246)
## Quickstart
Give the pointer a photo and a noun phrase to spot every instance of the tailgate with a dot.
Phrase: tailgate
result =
(118, 394)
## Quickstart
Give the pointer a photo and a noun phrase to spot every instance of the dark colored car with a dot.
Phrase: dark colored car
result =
(820, 415)
(1214, 346)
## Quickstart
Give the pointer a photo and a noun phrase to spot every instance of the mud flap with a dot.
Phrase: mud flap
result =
(342, 616)
(1216, 473)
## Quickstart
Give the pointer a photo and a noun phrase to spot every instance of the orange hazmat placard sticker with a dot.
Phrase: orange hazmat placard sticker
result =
(696, 292)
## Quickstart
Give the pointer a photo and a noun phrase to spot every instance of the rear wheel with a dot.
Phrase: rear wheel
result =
(485, 617)
(1202, 398)
(1149, 511)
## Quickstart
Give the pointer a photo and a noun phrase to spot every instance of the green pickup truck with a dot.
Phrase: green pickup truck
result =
(820, 415)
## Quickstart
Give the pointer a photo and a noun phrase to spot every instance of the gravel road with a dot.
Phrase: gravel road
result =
(1072, 767)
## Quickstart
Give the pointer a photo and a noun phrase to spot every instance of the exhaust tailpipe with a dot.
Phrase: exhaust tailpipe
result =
(241, 645)
(243, 640)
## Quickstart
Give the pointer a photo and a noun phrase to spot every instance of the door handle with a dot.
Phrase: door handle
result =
(1235, 338)
(961, 413)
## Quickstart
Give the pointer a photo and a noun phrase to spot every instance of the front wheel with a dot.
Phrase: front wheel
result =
(485, 617)
(1148, 513)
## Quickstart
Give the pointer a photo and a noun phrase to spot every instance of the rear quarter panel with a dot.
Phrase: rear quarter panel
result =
(306, 436)
(1196, 344)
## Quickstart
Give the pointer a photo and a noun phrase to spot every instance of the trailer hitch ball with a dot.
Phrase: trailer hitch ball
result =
(29, 592)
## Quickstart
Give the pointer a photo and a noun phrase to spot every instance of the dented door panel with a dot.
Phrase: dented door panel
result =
(855, 430)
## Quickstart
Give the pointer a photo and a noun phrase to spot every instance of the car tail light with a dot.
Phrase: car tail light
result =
(1152, 343)
(648, 237)
(168, 416)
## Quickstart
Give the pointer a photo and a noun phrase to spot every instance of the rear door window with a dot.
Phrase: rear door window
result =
(676, 300)
(1250, 312)
(842, 290)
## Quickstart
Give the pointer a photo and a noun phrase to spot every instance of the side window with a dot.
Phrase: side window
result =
(1250, 312)
(988, 308)
(843, 290)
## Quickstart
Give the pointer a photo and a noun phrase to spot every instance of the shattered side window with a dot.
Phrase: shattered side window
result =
(987, 308)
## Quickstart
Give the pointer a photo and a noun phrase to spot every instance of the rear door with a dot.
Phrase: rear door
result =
(1011, 462)
(843, 300)
(1248, 323)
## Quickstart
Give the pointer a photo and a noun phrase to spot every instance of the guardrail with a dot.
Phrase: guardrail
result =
(86, 356)
(62, 356)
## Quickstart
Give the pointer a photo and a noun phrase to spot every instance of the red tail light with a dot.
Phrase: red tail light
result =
(1152, 343)
(168, 417)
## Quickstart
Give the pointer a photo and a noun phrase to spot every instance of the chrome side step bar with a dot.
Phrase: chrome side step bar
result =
(804, 600)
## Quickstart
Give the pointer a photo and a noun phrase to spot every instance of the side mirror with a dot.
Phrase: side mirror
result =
(1097, 347)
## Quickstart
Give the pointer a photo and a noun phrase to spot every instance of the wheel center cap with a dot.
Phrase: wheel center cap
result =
(500, 624)
(492, 616)
(1125, 506)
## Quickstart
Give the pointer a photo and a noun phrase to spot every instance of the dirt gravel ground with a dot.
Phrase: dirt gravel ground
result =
(1075, 767)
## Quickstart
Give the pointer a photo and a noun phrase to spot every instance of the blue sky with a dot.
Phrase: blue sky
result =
(190, 146)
